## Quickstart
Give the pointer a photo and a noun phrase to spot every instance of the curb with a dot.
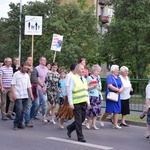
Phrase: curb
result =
(135, 123)
(142, 124)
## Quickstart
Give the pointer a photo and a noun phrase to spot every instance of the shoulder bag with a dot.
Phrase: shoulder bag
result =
(112, 96)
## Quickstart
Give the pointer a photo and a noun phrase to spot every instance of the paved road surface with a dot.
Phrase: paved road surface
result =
(50, 137)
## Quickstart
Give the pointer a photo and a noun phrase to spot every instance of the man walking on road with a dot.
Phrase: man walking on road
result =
(42, 71)
(20, 87)
(78, 98)
(6, 73)
(32, 106)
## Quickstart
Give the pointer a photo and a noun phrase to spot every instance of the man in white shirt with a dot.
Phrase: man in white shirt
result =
(20, 87)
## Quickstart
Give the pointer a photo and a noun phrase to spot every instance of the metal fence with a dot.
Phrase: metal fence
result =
(137, 100)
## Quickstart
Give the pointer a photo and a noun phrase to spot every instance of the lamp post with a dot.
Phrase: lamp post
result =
(20, 31)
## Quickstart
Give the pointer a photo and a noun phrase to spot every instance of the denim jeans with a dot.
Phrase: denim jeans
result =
(42, 102)
(27, 110)
(20, 109)
(34, 107)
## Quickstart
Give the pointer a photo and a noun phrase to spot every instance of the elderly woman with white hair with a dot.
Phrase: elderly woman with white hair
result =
(94, 88)
(114, 84)
(125, 94)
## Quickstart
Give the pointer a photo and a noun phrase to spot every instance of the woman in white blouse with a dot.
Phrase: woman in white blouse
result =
(125, 94)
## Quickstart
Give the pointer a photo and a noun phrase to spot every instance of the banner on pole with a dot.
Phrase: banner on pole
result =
(33, 25)
(57, 42)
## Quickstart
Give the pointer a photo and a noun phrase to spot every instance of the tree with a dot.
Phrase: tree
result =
(128, 39)
(76, 24)
(3, 38)
(81, 37)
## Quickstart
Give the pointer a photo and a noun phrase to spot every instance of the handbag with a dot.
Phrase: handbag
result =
(131, 92)
(112, 96)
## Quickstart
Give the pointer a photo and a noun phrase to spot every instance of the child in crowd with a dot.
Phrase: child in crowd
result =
(63, 86)
(65, 112)
(62, 94)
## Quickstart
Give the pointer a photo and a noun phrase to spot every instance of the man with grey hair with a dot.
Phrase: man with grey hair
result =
(77, 98)
(6, 73)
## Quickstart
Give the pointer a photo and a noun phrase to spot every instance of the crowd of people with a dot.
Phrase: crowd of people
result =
(27, 91)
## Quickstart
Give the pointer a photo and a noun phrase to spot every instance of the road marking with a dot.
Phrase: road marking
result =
(79, 143)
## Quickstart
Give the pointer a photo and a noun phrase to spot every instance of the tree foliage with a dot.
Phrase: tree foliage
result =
(128, 39)
(76, 24)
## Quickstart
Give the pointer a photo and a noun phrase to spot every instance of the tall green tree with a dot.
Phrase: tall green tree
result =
(76, 24)
(81, 37)
(3, 38)
(127, 41)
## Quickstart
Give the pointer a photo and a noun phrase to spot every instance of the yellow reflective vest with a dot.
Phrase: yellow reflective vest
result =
(80, 92)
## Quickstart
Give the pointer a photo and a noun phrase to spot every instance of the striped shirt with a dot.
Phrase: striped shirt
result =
(7, 74)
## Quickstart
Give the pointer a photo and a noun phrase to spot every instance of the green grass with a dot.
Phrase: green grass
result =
(135, 118)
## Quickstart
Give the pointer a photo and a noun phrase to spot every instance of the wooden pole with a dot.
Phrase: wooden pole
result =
(32, 48)
(54, 56)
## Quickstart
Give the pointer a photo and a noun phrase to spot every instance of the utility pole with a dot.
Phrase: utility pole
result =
(20, 32)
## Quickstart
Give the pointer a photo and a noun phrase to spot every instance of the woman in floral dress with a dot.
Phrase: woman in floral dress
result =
(94, 87)
(52, 82)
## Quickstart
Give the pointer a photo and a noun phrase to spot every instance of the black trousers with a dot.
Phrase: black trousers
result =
(79, 115)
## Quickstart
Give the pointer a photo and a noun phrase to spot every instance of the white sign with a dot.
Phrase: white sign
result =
(33, 25)
(57, 42)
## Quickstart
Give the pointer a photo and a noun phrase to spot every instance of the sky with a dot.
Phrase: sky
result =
(4, 6)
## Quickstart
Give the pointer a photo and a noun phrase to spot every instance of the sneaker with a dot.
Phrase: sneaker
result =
(36, 118)
(21, 126)
(117, 127)
(5, 118)
(30, 125)
(15, 128)
(11, 117)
